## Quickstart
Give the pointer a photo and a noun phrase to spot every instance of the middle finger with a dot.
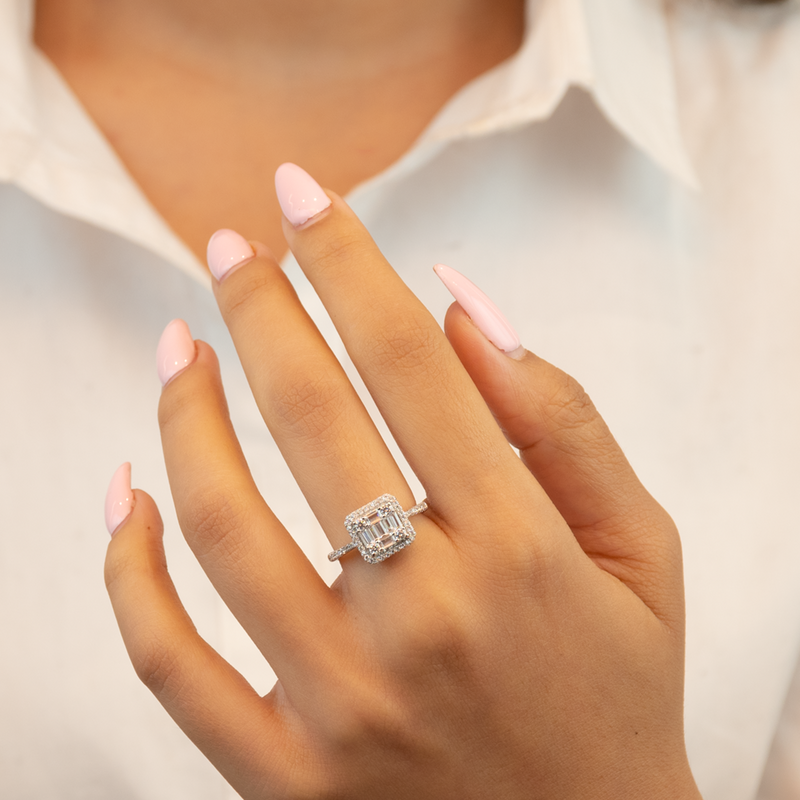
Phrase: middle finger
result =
(319, 423)
(432, 407)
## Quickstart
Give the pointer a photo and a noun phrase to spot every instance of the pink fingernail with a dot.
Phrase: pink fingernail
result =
(176, 350)
(119, 498)
(300, 196)
(481, 310)
(227, 250)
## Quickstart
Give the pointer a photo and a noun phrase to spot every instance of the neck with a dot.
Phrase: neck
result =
(243, 35)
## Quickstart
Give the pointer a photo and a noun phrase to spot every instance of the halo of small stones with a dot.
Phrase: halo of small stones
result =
(384, 505)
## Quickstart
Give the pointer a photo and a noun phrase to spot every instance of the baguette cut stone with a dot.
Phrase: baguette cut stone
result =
(380, 528)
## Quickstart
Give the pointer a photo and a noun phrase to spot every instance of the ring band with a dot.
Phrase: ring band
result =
(379, 529)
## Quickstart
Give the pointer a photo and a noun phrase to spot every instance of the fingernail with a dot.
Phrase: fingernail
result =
(227, 250)
(481, 310)
(300, 196)
(176, 350)
(119, 498)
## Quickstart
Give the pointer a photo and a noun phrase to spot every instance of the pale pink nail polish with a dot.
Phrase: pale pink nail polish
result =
(227, 250)
(176, 350)
(300, 196)
(119, 498)
(481, 310)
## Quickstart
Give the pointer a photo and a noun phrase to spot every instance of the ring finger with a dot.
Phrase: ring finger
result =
(325, 434)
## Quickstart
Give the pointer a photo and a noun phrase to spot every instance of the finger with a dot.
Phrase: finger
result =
(328, 439)
(429, 402)
(568, 447)
(242, 734)
(253, 562)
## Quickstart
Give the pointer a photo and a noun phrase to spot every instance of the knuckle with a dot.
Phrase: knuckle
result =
(158, 667)
(569, 409)
(650, 522)
(390, 707)
(346, 247)
(405, 349)
(437, 636)
(212, 520)
(308, 406)
(569, 403)
(369, 717)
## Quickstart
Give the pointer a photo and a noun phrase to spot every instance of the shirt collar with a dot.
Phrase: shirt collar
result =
(619, 50)
(51, 149)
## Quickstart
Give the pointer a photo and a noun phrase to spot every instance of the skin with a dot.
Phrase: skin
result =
(546, 658)
(203, 100)
(543, 664)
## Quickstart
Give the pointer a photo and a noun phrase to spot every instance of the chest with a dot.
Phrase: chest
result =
(205, 154)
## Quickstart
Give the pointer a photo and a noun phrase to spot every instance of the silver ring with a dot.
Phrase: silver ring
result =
(379, 529)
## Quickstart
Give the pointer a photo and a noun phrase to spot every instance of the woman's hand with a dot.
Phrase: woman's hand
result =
(527, 644)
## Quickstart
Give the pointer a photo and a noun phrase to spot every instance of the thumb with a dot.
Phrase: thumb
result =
(568, 448)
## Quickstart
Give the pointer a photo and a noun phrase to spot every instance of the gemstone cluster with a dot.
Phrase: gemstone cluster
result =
(380, 528)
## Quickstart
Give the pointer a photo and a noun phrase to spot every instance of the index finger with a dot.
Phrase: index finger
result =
(432, 407)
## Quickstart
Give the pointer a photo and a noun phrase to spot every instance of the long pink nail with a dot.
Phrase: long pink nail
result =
(300, 196)
(176, 350)
(227, 250)
(119, 498)
(481, 310)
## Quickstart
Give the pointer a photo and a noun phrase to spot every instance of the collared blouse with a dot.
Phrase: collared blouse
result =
(626, 187)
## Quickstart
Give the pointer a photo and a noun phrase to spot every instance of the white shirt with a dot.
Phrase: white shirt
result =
(643, 235)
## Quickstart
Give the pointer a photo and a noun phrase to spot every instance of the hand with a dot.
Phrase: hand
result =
(527, 644)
